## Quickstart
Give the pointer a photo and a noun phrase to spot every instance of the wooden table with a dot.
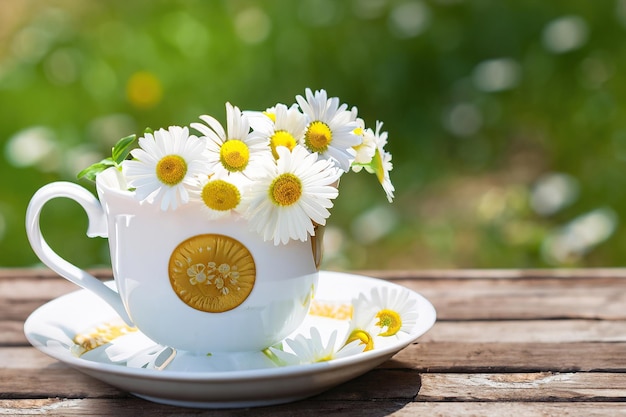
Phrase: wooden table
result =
(506, 343)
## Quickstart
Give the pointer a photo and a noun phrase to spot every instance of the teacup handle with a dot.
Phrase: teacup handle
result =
(97, 227)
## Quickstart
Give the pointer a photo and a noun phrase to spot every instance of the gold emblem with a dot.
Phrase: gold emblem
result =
(213, 273)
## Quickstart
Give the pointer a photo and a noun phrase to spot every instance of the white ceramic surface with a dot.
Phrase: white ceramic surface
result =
(222, 380)
(146, 243)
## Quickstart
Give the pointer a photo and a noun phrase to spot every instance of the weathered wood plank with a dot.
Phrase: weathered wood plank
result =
(12, 333)
(530, 331)
(511, 409)
(465, 302)
(427, 274)
(511, 357)
(454, 299)
(508, 343)
(450, 357)
(523, 299)
(454, 357)
(60, 381)
(542, 386)
(54, 381)
(136, 407)
(34, 288)
(497, 274)
(28, 374)
(19, 310)
(498, 331)
(46, 273)
(24, 358)
(133, 407)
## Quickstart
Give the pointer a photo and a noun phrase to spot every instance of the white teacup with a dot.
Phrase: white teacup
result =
(187, 282)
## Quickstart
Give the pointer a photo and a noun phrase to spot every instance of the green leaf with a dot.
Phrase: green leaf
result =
(91, 172)
(122, 148)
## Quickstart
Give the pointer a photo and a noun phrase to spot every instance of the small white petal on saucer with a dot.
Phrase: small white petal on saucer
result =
(396, 311)
(134, 349)
(350, 349)
(363, 323)
(304, 350)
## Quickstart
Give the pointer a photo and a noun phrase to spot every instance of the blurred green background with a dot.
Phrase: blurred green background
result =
(506, 119)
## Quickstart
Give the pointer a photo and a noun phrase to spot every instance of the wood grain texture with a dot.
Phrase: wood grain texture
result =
(532, 386)
(507, 343)
(132, 407)
(512, 357)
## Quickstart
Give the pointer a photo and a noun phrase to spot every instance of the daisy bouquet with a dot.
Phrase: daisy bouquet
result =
(279, 169)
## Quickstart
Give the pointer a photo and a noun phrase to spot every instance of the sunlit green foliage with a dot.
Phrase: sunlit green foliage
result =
(506, 119)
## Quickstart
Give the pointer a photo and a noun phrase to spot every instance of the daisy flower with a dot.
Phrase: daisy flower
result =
(305, 350)
(362, 324)
(330, 131)
(381, 162)
(291, 195)
(395, 311)
(236, 150)
(165, 165)
(286, 128)
(220, 195)
(367, 148)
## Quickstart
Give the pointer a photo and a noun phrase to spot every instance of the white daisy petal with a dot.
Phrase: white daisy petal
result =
(214, 127)
(291, 195)
(330, 131)
(236, 150)
(310, 350)
(164, 166)
(396, 311)
(220, 195)
(281, 166)
(287, 129)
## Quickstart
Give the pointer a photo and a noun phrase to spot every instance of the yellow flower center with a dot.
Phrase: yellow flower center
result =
(358, 131)
(389, 319)
(318, 136)
(365, 338)
(282, 138)
(234, 155)
(171, 169)
(285, 190)
(220, 195)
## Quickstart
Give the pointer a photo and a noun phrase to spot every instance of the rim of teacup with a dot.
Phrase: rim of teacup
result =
(111, 179)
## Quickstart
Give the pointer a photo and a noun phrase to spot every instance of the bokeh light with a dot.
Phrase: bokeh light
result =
(506, 120)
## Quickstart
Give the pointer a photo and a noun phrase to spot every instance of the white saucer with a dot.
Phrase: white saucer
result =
(226, 381)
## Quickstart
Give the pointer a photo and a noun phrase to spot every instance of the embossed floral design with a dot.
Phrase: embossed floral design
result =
(213, 273)
(221, 276)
